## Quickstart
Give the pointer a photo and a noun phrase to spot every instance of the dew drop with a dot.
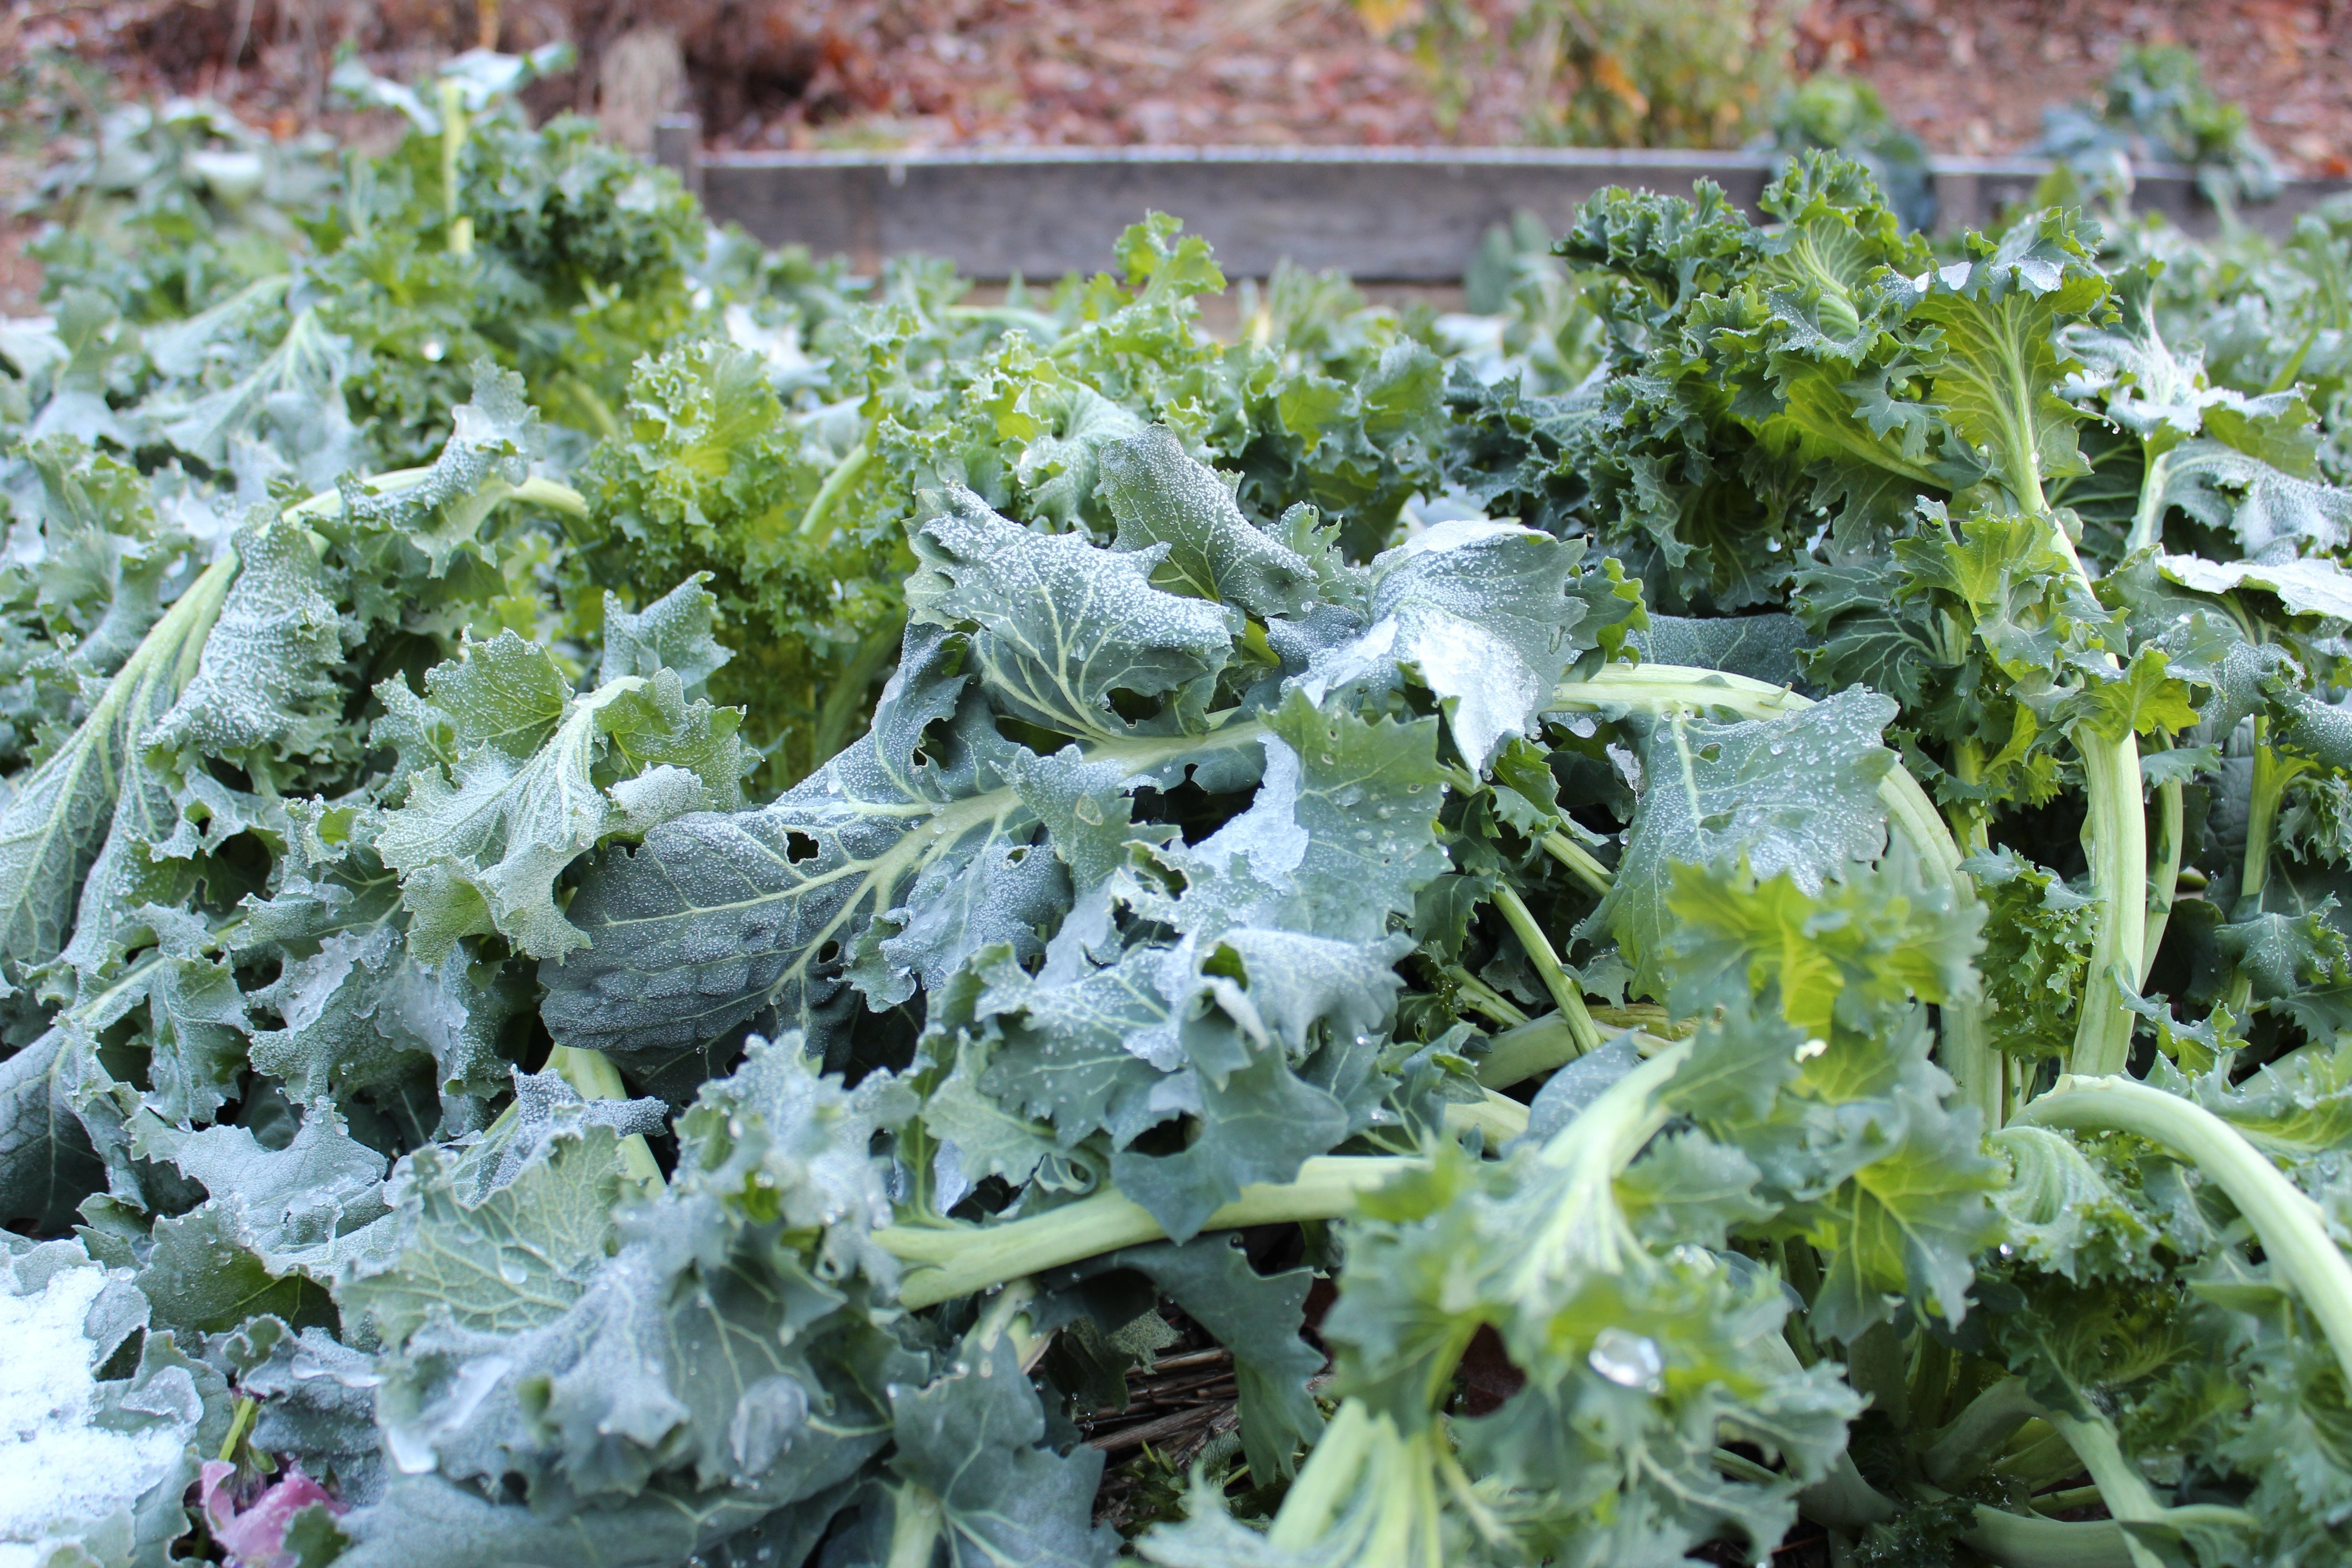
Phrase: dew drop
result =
(1628, 1360)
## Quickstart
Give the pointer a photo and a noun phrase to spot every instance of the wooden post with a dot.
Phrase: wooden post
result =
(678, 145)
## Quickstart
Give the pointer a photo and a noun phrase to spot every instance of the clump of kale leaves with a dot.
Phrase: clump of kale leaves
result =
(618, 848)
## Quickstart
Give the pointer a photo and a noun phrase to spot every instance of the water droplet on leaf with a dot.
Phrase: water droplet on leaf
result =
(1628, 1360)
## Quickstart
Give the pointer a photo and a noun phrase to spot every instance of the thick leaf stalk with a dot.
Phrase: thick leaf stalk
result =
(2116, 834)
(2294, 1231)
(950, 1261)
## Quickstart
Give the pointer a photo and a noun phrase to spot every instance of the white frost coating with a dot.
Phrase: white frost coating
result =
(1476, 608)
(1456, 533)
(57, 1472)
(660, 793)
(2270, 511)
(779, 346)
(2308, 587)
(1267, 835)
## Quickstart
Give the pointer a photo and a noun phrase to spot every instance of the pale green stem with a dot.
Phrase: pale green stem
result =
(1969, 818)
(2148, 521)
(2114, 830)
(1966, 1050)
(2015, 1541)
(1931, 1382)
(1538, 1046)
(1979, 1432)
(2122, 1488)
(915, 1525)
(2272, 773)
(1581, 865)
(2293, 1230)
(595, 1076)
(1498, 1116)
(1565, 990)
(240, 1422)
(552, 496)
(1486, 998)
(964, 1259)
(599, 413)
(453, 144)
(817, 523)
(1314, 1496)
(846, 700)
(536, 491)
(1844, 1500)
(2163, 887)
(1350, 1442)
(1742, 1468)
(2037, 1456)
(2115, 839)
(1005, 1308)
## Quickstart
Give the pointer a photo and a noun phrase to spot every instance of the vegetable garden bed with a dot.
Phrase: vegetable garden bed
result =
(1402, 214)
(664, 905)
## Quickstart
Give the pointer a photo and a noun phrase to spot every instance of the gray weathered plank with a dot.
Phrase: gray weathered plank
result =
(1394, 214)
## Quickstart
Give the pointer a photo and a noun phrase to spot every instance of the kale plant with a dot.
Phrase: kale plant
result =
(1753, 940)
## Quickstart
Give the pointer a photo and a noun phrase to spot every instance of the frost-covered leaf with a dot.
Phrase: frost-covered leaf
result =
(440, 512)
(513, 777)
(289, 401)
(1160, 496)
(1482, 614)
(2231, 492)
(2315, 587)
(971, 1468)
(1798, 796)
(60, 816)
(46, 1165)
(353, 1005)
(716, 918)
(539, 1329)
(1058, 625)
(1770, 649)
(294, 1207)
(431, 1522)
(672, 632)
(94, 1463)
(255, 697)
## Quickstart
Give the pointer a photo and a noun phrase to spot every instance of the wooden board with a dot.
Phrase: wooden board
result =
(1400, 214)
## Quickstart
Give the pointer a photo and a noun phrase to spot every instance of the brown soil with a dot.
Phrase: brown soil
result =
(1971, 75)
(1974, 76)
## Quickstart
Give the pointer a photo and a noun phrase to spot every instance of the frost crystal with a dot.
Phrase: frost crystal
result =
(59, 1472)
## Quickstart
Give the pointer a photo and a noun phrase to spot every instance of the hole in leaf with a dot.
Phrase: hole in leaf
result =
(799, 847)
(1133, 707)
